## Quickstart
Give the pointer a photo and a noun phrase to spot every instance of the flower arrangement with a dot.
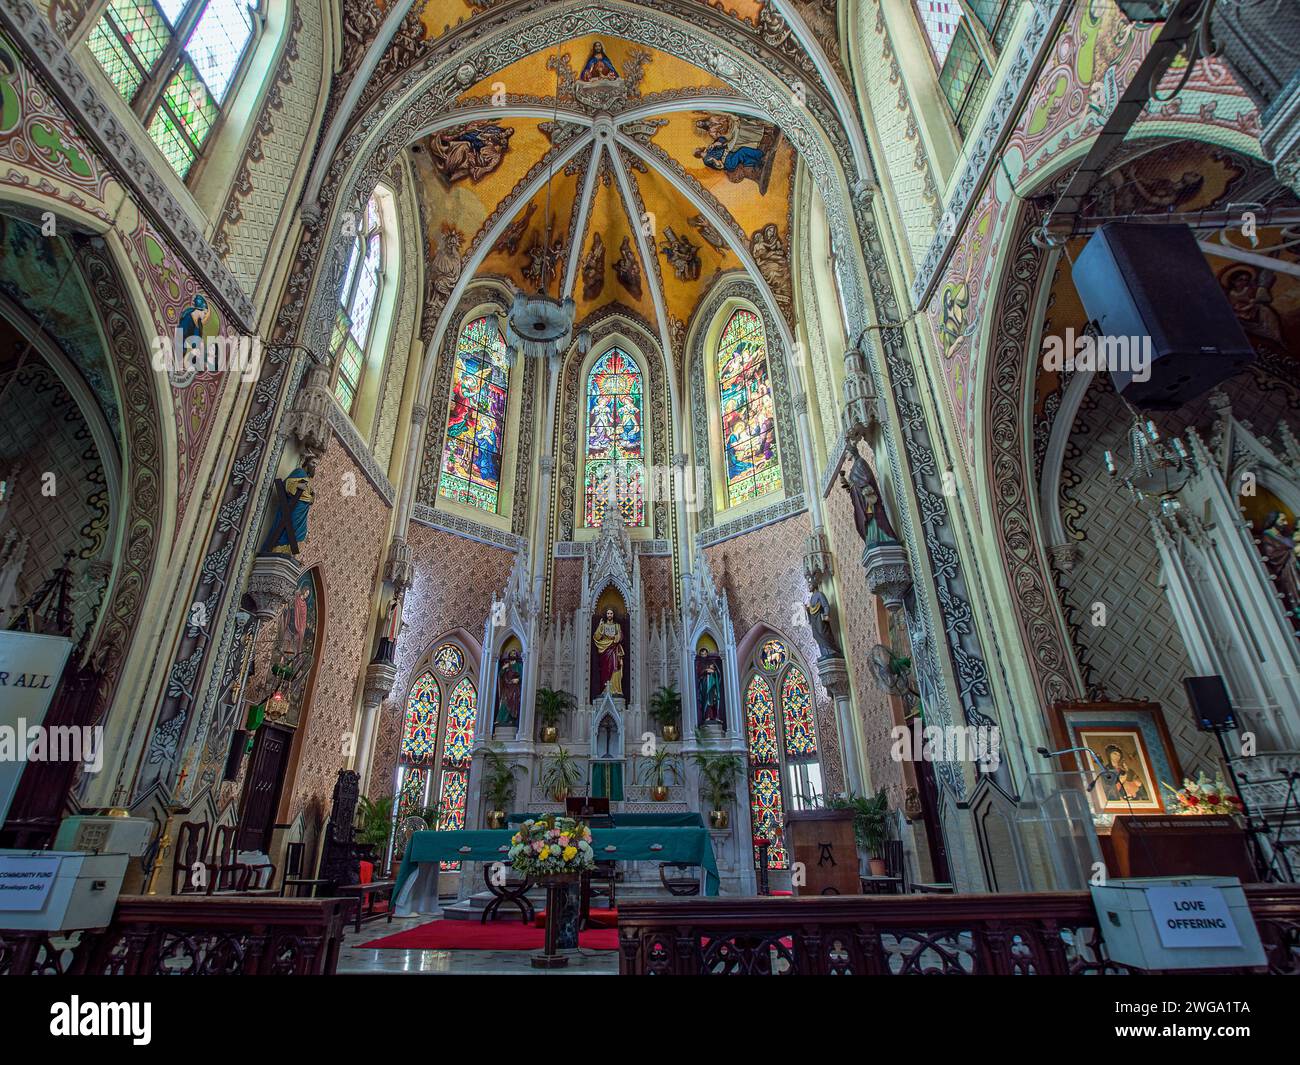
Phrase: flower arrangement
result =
(552, 845)
(1203, 796)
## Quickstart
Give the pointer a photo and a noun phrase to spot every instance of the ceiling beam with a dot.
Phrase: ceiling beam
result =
(584, 212)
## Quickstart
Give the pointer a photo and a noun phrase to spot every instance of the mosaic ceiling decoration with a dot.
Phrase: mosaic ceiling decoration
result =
(659, 182)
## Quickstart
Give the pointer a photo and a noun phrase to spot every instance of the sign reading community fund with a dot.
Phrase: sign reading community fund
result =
(30, 667)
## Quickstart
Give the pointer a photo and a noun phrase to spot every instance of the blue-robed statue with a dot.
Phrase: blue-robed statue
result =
(289, 528)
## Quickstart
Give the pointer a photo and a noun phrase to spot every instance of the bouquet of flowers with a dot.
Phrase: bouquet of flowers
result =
(552, 845)
(1203, 796)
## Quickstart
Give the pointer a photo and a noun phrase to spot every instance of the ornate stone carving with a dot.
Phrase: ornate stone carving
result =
(309, 418)
(271, 584)
(379, 682)
(399, 568)
(888, 574)
(834, 675)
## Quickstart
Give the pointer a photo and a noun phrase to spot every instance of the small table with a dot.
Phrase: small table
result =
(376, 888)
(516, 896)
(932, 889)
(880, 885)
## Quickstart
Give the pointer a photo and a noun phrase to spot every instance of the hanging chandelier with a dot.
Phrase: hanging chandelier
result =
(541, 325)
(1157, 471)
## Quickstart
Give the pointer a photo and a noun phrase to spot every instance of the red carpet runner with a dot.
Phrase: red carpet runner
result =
(496, 935)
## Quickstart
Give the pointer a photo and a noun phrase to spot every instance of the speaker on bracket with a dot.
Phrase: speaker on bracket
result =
(1168, 332)
(1209, 699)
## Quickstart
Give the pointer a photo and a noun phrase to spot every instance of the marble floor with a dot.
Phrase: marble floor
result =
(354, 958)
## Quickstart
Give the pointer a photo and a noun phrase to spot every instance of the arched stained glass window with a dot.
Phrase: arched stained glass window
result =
(461, 709)
(412, 792)
(765, 799)
(420, 726)
(796, 715)
(173, 61)
(748, 410)
(476, 420)
(615, 462)
(354, 325)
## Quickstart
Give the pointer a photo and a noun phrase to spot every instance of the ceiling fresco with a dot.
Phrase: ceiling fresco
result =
(683, 183)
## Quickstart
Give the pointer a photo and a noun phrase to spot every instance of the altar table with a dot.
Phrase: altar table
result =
(678, 819)
(417, 880)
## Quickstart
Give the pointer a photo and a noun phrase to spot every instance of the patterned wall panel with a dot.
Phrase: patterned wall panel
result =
(347, 538)
(455, 580)
(762, 574)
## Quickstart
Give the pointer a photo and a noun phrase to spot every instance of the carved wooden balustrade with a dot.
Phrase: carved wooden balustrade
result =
(1044, 933)
(190, 936)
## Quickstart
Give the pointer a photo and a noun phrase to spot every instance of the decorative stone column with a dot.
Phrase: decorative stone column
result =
(379, 682)
(834, 674)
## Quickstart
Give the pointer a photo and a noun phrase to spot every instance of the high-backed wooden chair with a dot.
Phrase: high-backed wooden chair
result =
(189, 858)
(895, 863)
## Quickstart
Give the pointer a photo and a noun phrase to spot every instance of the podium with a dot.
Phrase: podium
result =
(1177, 845)
(823, 841)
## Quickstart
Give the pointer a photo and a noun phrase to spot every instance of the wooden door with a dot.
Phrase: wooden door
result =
(262, 787)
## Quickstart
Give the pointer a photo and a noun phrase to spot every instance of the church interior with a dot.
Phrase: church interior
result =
(648, 486)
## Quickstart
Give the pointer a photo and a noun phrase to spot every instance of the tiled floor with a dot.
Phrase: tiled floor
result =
(354, 958)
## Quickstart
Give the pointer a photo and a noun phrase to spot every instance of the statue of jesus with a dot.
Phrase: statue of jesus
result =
(608, 640)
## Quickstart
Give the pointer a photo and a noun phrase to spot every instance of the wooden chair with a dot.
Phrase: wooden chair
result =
(680, 886)
(896, 864)
(189, 856)
(229, 875)
(294, 855)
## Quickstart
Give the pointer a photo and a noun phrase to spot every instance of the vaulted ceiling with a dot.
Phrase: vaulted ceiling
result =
(609, 172)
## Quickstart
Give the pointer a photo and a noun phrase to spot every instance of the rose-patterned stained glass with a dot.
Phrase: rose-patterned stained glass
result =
(768, 812)
(448, 660)
(412, 793)
(773, 655)
(420, 725)
(760, 715)
(476, 420)
(796, 714)
(452, 796)
(615, 463)
(462, 706)
(748, 410)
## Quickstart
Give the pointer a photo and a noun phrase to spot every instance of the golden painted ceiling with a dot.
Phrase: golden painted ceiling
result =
(611, 173)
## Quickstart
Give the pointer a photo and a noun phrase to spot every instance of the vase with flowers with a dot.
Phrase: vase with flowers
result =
(1204, 796)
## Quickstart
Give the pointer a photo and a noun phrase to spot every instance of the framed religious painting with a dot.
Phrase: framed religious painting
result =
(1128, 738)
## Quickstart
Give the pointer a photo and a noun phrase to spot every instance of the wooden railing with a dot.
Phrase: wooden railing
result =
(190, 936)
(1049, 933)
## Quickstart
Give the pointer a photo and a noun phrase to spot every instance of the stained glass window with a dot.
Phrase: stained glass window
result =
(764, 770)
(448, 660)
(452, 796)
(748, 410)
(761, 718)
(412, 792)
(615, 465)
(796, 715)
(461, 707)
(357, 301)
(774, 655)
(420, 725)
(476, 420)
(179, 102)
(939, 19)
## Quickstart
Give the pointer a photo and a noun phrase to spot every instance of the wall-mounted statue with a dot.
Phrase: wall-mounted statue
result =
(818, 609)
(289, 516)
(710, 701)
(510, 687)
(868, 507)
(1278, 546)
(609, 654)
(388, 635)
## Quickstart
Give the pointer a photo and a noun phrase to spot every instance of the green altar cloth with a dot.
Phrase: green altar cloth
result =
(691, 846)
(681, 819)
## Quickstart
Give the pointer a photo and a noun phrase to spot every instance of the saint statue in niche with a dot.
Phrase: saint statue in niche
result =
(1278, 546)
(289, 528)
(708, 688)
(608, 654)
(868, 508)
(510, 686)
(818, 609)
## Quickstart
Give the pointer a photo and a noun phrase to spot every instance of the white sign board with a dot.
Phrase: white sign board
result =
(30, 668)
(1194, 917)
(25, 882)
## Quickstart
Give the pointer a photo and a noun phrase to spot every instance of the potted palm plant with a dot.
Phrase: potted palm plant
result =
(665, 710)
(656, 768)
(560, 775)
(552, 704)
(718, 775)
(870, 825)
(374, 825)
(498, 785)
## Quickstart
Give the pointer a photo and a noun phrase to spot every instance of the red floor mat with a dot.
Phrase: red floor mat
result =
(599, 918)
(496, 935)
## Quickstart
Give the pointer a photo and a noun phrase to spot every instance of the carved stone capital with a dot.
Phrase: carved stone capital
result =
(271, 584)
(818, 562)
(379, 682)
(834, 674)
(399, 568)
(419, 413)
(308, 420)
(1064, 556)
(888, 574)
(546, 463)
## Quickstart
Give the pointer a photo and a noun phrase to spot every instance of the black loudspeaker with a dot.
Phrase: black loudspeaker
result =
(1209, 699)
(1157, 304)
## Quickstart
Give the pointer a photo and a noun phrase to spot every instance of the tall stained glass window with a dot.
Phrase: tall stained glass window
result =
(784, 772)
(453, 790)
(615, 466)
(965, 37)
(420, 726)
(476, 420)
(173, 61)
(355, 321)
(748, 410)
